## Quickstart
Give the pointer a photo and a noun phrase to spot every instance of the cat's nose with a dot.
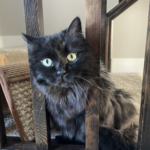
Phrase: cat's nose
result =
(61, 72)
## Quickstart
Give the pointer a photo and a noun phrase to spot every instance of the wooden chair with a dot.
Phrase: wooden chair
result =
(96, 27)
(16, 91)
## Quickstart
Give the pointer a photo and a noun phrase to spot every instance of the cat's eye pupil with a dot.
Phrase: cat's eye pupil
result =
(72, 57)
(46, 62)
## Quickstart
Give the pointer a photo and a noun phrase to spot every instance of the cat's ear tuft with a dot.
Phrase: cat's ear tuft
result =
(75, 26)
(29, 39)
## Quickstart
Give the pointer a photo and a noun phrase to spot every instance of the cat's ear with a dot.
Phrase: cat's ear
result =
(29, 39)
(75, 26)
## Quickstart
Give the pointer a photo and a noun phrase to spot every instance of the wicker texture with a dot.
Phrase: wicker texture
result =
(16, 70)
(22, 96)
(20, 92)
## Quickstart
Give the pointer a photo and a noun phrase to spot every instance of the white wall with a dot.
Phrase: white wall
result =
(58, 14)
(12, 23)
(11, 41)
(111, 4)
(129, 31)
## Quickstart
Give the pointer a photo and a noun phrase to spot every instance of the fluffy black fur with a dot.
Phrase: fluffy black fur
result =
(67, 93)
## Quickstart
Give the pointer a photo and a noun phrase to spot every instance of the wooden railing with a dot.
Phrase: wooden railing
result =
(112, 14)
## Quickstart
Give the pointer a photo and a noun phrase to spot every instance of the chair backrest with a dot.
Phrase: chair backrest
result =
(34, 28)
(15, 84)
(98, 25)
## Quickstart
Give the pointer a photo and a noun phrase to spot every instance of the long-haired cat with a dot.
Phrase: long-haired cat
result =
(65, 69)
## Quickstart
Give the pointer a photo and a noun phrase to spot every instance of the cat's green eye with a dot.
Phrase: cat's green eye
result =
(72, 57)
(47, 62)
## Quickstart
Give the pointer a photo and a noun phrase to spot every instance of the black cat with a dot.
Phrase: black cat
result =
(65, 69)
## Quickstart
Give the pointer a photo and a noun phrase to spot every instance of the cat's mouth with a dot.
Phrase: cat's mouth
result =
(64, 82)
(61, 81)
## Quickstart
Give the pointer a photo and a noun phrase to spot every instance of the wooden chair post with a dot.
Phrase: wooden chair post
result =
(3, 139)
(34, 26)
(95, 35)
(112, 14)
(144, 123)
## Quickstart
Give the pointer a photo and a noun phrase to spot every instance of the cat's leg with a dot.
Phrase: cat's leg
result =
(112, 139)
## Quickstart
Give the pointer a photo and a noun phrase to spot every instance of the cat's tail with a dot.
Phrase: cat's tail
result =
(112, 139)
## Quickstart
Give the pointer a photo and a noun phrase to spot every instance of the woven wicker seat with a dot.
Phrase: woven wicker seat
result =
(15, 83)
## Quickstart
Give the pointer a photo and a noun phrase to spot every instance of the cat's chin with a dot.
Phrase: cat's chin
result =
(64, 85)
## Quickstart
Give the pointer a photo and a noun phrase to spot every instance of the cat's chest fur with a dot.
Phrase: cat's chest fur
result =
(65, 105)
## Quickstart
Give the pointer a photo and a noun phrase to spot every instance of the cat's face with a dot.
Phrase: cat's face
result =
(60, 59)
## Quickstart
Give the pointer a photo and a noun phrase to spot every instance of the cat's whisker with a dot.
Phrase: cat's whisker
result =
(80, 94)
(95, 85)
(101, 88)
(92, 83)
(76, 88)
(98, 86)
(85, 96)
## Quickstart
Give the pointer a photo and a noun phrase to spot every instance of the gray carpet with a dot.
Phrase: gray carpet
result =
(10, 126)
(131, 82)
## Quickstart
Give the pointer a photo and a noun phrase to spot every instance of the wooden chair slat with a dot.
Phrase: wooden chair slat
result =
(3, 139)
(95, 35)
(144, 123)
(34, 27)
(116, 11)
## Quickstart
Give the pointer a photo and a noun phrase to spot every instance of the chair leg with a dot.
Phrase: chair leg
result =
(3, 100)
(3, 139)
